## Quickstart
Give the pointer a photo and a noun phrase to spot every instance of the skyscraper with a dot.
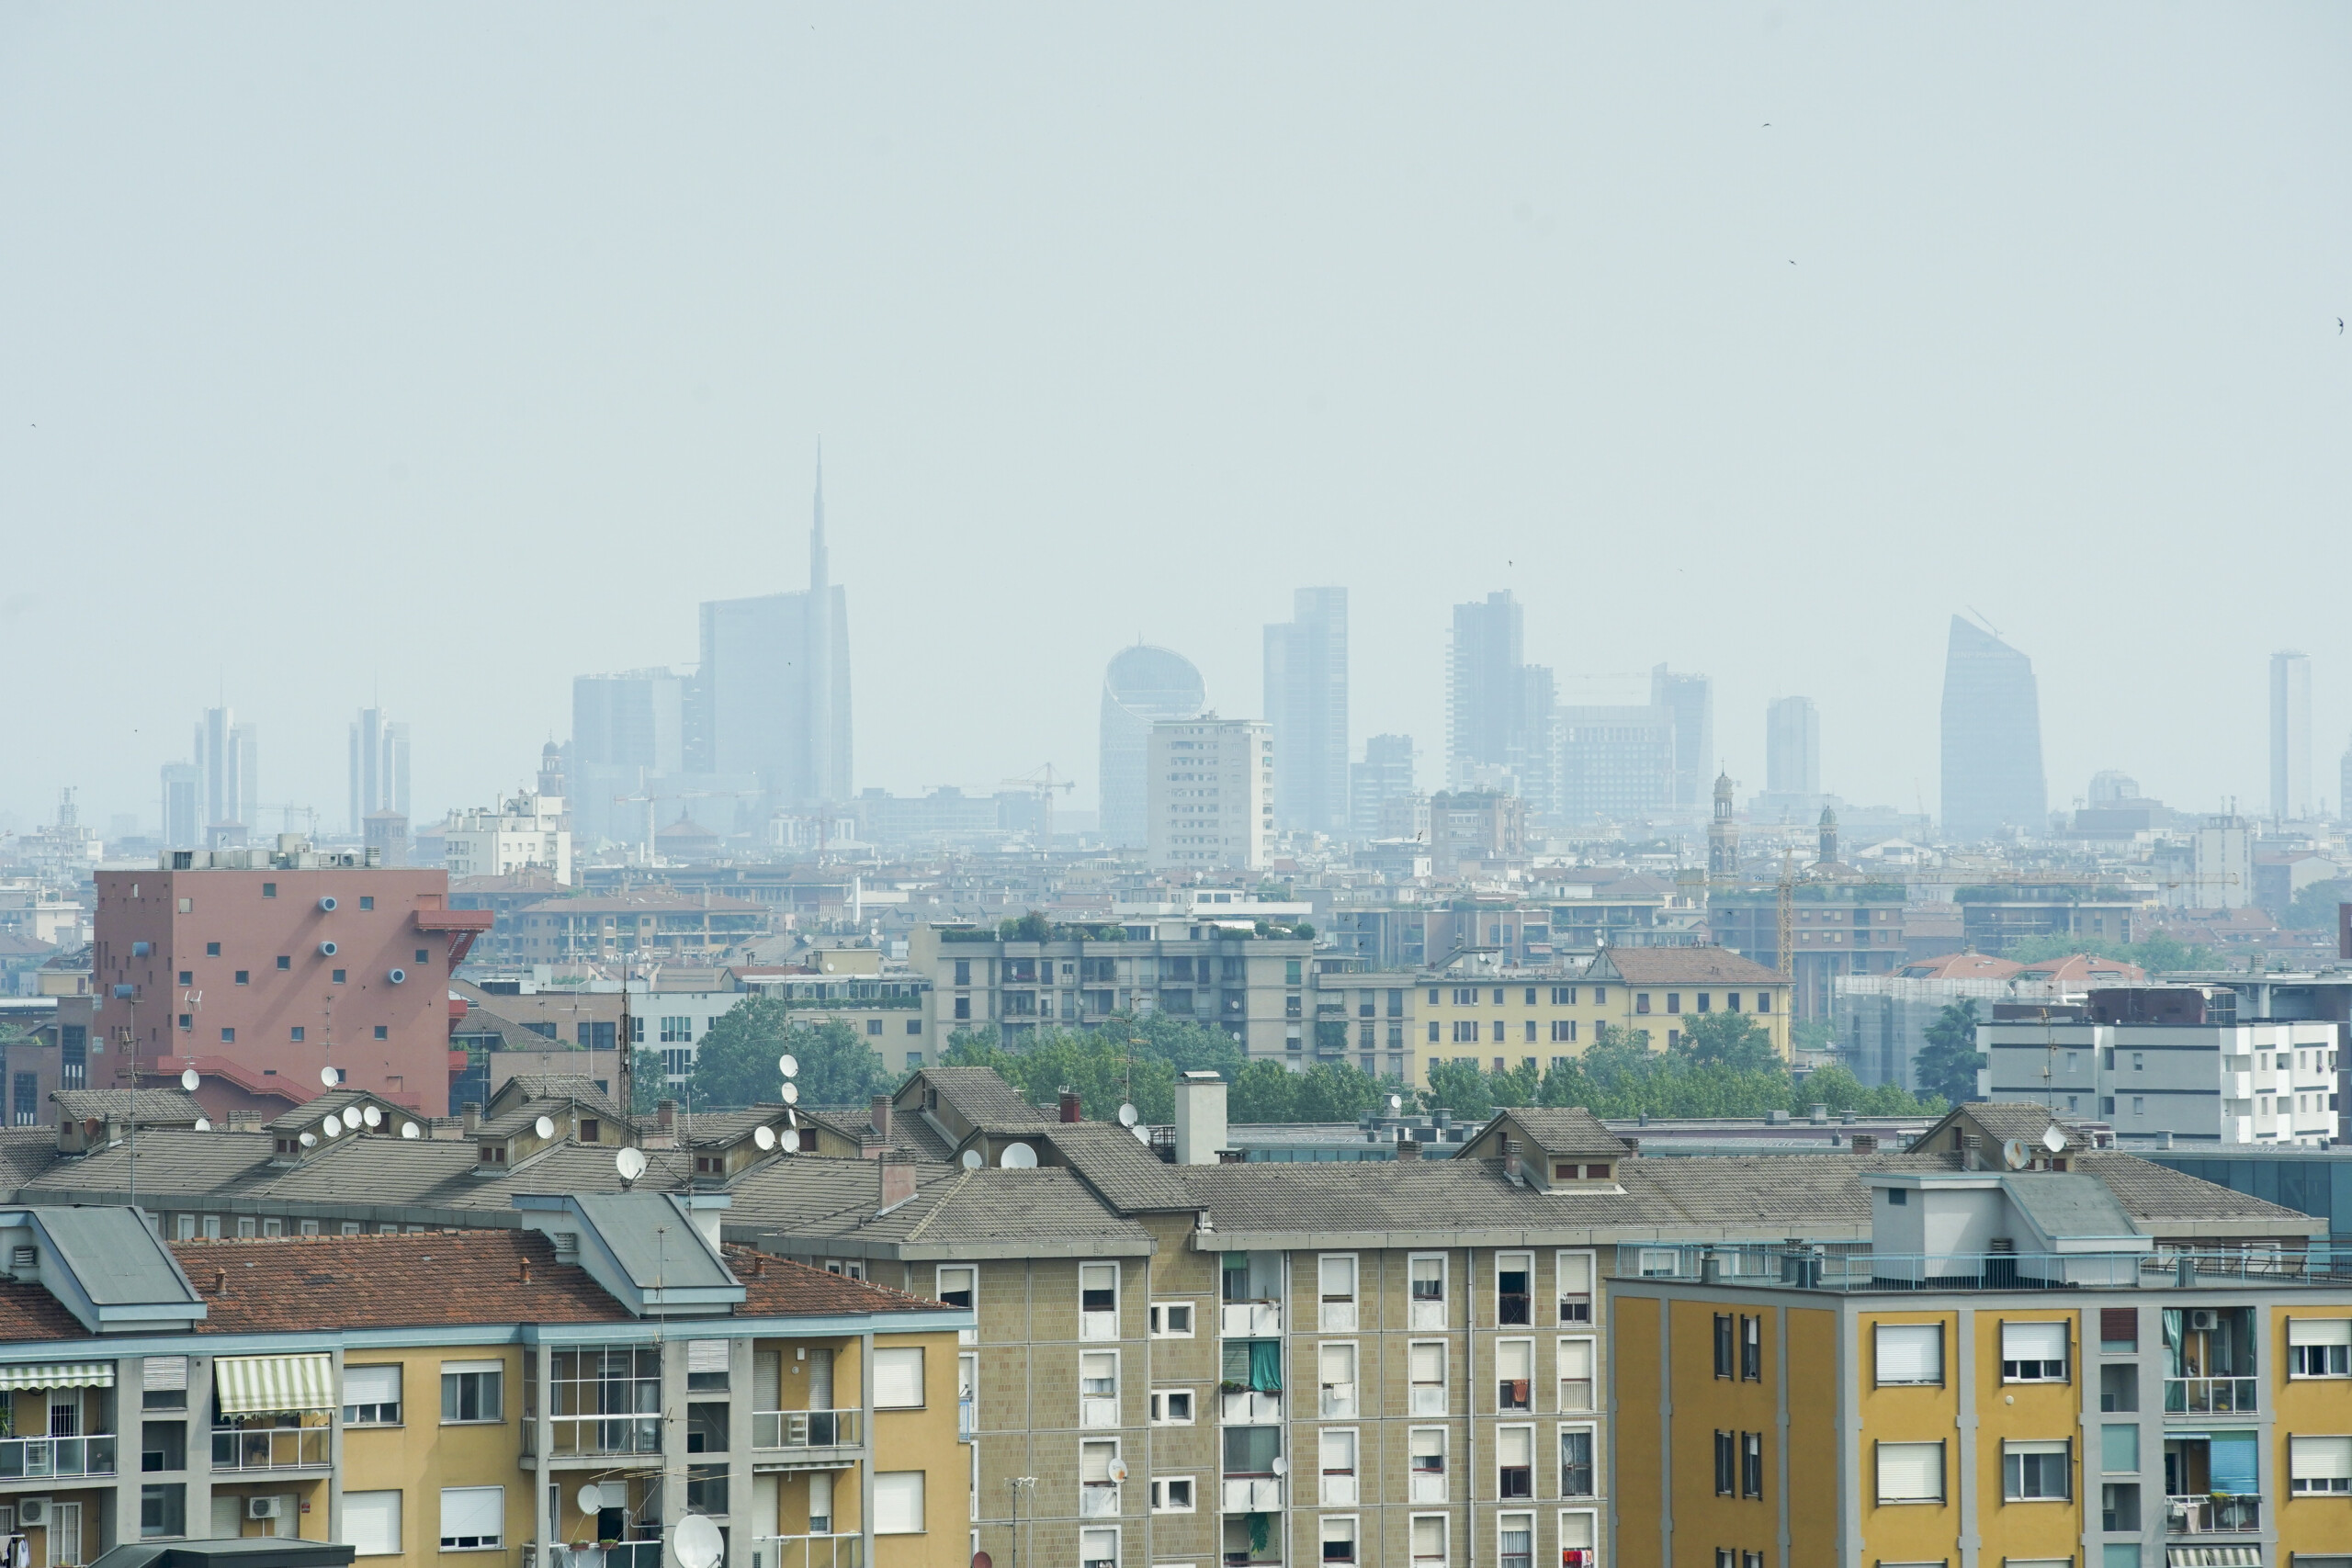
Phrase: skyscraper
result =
(1385, 775)
(775, 687)
(1142, 684)
(1992, 738)
(183, 793)
(379, 768)
(627, 731)
(1692, 700)
(229, 787)
(2290, 737)
(1498, 709)
(1791, 747)
(1306, 702)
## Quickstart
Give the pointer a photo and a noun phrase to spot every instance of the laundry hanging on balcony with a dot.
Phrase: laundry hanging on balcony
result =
(268, 1385)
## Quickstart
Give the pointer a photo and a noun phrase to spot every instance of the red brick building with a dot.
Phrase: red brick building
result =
(283, 964)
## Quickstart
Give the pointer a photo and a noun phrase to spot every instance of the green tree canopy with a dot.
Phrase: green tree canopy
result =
(2161, 953)
(1947, 1063)
(2313, 909)
(736, 1065)
(1731, 1040)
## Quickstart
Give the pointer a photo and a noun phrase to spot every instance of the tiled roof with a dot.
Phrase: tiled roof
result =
(306, 1116)
(778, 1287)
(982, 1097)
(1684, 966)
(911, 1135)
(829, 1201)
(152, 1105)
(1128, 1176)
(558, 1086)
(25, 1153)
(2157, 1197)
(1566, 1130)
(29, 1315)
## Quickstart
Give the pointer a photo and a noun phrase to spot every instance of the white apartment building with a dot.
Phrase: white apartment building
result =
(1210, 784)
(2184, 1083)
(525, 832)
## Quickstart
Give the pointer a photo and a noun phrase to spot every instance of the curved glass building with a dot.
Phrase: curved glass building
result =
(1143, 683)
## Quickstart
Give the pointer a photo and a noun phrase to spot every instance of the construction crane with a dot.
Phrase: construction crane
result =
(1042, 784)
(288, 811)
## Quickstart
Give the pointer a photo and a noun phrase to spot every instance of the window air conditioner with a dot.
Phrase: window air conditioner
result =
(32, 1512)
(261, 1507)
(2204, 1320)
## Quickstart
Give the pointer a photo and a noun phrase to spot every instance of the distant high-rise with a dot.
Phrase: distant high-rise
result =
(1498, 709)
(1306, 702)
(631, 720)
(1692, 700)
(1791, 747)
(2290, 735)
(229, 787)
(1143, 684)
(2344, 788)
(1616, 762)
(183, 795)
(1207, 796)
(1385, 775)
(773, 696)
(1992, 738)
(379, 768)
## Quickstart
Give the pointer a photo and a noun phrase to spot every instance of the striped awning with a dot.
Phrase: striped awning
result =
(2212, 1556)
(58, 1374)
(261, 1385)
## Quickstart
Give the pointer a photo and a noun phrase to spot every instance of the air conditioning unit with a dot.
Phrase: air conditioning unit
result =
(2204, 1320)
(262, 1507)
(31, 1511)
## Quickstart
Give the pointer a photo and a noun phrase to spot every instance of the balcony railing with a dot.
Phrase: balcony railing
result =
(2221, 1515)
(600, 1434)
(1252, 1494)
(808, 1551)
(2209, 1396)
(1828, 1267)
(805, 1429)
(31, 1458)
(967, 1418)
(269, 1448)
(620, 1554)
(1248, 1408)
(1250, 1320)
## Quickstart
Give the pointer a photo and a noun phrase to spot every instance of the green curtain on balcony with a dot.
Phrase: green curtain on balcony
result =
(1253, 1364)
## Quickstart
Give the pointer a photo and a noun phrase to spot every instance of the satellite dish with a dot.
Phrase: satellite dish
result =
(310, 1140)
(982, 1560)
(544, 1127)
(2013, 1154)
(972, 1160)
(351, 1117)
(1126, 1115)
(698, 1543)
(590, 1498)
(2052, 1139)
(1395, 1103)
(191, 1080)
(1018, 1156)
(1117, 1471)
(1281, 1465)
(791, 1093)
(410, 1129)
(630, 1163)
(764, 1136)
(204, 1123)
(331, 1126)
(789, 1065)
(373, 1117)
(329, 1077)
(1143, 1136)
(789, 1142)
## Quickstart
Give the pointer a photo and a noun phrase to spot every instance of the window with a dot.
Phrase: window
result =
(1576, 1461)
(1338, 1538)
(1910, 1353)
(245, 978)
(677, 1030)
(2118, 1449)
(2033, 1352)
(898, 1377)
(2118, 1330)
(1336, 1451)
(1172, 1407)
(162, 1510)
(1425, 1364)
(296, 1034)
(1723, 1344)
(1910, 1472)
(2318, 1346)
(1335, 1373)
(269, 890)
(1098, 1492)
(162, 1446)
(337, 976)
(1171, 1320)
(1641, 1001)
(1579, 1538)
(228, 1035)
(707, 1368)
(211, 948)
(1172, 1495)
(2316, 1466)
(955, 1284)
(1751, 1464)
(1428, 1292)
(366, 900)
(1098, 1388)
(1751, 1348)
(897, 1501)
(1514, 1271)
(1098, 1301)
(2036, 1472)
(1763, 1001)
(1576, 1360)
(1337, 1274)
(473, 1518)
(371, 1396)
(164, 1378)
(1514, 1462)
(1429, 1541)
(383, 1031)
(1726, 1462)
(1514, 1374)
(1425, 1460)
(371, 1523)
(1574, 1271)
(472, 1391)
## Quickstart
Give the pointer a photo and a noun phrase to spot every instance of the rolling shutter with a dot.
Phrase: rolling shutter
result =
(1911, 1352)
(898, 1378)
(1910, 1472)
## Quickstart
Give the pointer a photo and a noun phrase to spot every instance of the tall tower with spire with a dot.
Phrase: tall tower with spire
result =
(1722, 833)
(819, 660)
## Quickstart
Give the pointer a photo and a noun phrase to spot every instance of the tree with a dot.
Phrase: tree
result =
(736, 1065)
(1947, 1063)
(1461, 1088)
(1733, 1039)
(647, 1085)
(2313, 909)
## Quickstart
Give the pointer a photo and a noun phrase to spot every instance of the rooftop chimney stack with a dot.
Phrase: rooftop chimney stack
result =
(881, 1116)
(1866, 1143)
(1407, 1148)
(1200, 1118)
(1070, 1108)
(470, 1117)
(897, 1179)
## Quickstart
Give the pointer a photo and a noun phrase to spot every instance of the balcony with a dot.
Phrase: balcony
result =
(1248, 1408)
(967, 1418)
(27, 1459)
(620, 1554)
(2209, 1396)
(1252, 1494)
(1095, 1412)
(805, 1429)
(1250, 1320)
(1098, 1500)
(271, 1448)
(2221, 1513)
(808, 1551)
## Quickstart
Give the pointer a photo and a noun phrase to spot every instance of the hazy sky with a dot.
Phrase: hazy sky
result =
(452, 351)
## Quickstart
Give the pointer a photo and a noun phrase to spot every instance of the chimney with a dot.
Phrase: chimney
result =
(220, 1282)
(1866, 1143)
(898, 1180)
(1200, 1118)
(1071, 1108)
(1821, 1113)
(1633, 1146)
(524, 1274)
(470, 1117)
(881, 1116)
(665, 1115)
(1408, 1149)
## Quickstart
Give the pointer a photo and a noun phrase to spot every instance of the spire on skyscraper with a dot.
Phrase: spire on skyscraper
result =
(819, 567)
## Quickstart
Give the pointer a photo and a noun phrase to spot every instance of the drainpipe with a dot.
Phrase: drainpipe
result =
(866, 1433)
(1470, 1405)
(543, 1443)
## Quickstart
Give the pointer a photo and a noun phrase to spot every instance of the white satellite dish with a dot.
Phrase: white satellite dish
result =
(789, 1142)
(2013, 1154)
(204, 1123)
(791, 1093)
(1281, 1465)
(789, 1065)
(1143, 1136)
(1127, 1116)
(544, 1127)
(329, 1077)
(351, 1117)
(373, 1117)
(1018, 1156)
(697, 1542)
(331, 1126)
(2052, 1139)
(310, 1140)
(410, 1129)
(1395, 1103)
(972, 1160)
(590, 1498)
(191, 1080)
(630, 1163)
(1117, 1471)
(764, 1136)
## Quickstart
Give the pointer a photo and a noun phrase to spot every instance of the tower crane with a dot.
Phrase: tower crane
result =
(1042, 784)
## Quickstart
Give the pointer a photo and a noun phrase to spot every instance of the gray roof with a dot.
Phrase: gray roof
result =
(1566, 1129)
(555, 1086)
(100, 1104)
(2068, 1207)
(306, 1116)
(25, 1153)
(2159, 1199)
(1129, 1177)
(982, 1097)
(520, 1114)
(910, 1133)
(833, 1206)
(2005, 1119)
(658, 1246)
(115, 1256)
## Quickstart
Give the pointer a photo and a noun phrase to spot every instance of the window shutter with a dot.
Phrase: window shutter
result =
(2033, 1341)
(897, 1379)
(1910, 1352)
(2119, 1325)
(1094, 1461)
(1515, 1445)
(2319, 1459)
(708, 1355)
(371, 1523)
(1576, 1357)
(2300, 1331)
(1515, 1359)
(477, 1511)
(163, 1373)
(897, 1501)
(371, 1385)
(1338, 1363)
(1429, 1363)
(1910, 1472)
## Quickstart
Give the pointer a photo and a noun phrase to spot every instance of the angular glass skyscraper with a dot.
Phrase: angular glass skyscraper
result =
(1306, 702)
(2290, 737)
(1992, 738)
(1142, 684)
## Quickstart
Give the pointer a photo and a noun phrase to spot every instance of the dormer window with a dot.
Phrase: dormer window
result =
(589, 1130)
(494, 1154)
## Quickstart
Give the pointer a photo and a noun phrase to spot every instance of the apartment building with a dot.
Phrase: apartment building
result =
(1498, 1017)
(1209, 787)
(524, 833)
(599, 1373)
(2015, 1370)
(1223, 975)
(676, 928)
